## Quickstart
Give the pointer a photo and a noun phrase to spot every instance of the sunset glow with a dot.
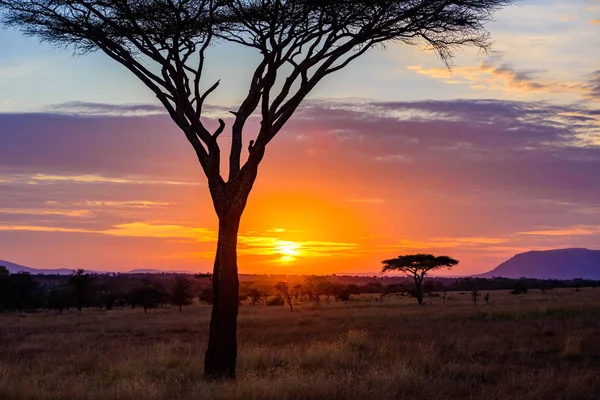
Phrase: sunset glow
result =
(288, 251)
(496, 156)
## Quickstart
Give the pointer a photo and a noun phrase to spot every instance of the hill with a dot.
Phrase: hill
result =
(16, 268)
(550, 264)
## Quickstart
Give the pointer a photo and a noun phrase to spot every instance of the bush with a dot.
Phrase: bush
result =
(518, 290)
(206, 295)
(344, 295)
(275, 301)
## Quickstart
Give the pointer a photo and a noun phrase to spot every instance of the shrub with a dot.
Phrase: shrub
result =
(344, 295)
(206, 295)
(518, 291)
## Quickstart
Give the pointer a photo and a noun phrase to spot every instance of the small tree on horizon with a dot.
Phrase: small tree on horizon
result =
(256, 296)
(298, 44)
(417, 266)
(80, 281)
(147, 296)
(287, 293)
(181, 292)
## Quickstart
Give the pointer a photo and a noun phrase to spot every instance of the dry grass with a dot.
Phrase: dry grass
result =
(532, 346)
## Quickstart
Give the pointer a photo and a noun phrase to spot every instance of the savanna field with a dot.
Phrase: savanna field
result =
(530, 346)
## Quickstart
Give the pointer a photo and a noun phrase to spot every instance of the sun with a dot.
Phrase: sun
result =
(288, 250)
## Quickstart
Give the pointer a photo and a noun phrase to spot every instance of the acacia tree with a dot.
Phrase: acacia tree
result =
(287, 293)
(181, 292)
(300, 42)
(417, 266)
(80, 282)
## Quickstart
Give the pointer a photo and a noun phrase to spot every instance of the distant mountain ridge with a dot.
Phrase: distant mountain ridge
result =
(16, 268)
(550, 264)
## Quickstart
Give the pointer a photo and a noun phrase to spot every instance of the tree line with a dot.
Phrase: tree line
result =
(22, 292)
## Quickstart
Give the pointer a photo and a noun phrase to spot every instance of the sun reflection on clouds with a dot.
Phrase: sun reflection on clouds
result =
(288, 250)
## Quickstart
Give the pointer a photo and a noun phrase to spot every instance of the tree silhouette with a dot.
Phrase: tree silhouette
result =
(147, 296)
(299, 43)
(80, 282)
(417, 266)
(256, 296)
(181, 292)
(23, 291)
(287, 293)
(4, 287)
(207, 295)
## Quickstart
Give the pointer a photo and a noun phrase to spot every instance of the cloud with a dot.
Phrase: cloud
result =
(104, 179)
(66, 213)
(101, 109)
(593, 86)
(108, 146)
(462, 175)
(488, 76)
(125, 204)
(33, 228)
(595, 21)
(582, 230)
(153, 230)
(450, 242)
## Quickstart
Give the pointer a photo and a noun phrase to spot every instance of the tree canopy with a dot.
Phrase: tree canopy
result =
(417, 266)
(164, 43)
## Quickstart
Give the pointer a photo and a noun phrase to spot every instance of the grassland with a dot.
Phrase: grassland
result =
(532, 346)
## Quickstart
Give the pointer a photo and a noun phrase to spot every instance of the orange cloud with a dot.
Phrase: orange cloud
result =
(33, 228)
(580, 230)
(497, 78)
(102, 179)
(449, 242)
(143, 229)
(66, 213)
(595, 21)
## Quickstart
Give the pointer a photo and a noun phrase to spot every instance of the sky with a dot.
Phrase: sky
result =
(394, 155)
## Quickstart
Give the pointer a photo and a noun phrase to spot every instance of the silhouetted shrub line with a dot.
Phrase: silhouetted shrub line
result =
(22, 292)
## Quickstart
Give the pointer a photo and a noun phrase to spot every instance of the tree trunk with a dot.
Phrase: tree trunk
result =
(418, 291)
(221, 353)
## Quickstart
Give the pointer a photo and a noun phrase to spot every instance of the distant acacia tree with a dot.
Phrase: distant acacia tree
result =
(417, 266)
(286, 293)
(207, 295)
(298, 43)
(181, 292)
(256, 296)
(80, 281)
(147, 296)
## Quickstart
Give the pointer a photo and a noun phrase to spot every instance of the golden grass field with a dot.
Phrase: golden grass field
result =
(532, 346)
